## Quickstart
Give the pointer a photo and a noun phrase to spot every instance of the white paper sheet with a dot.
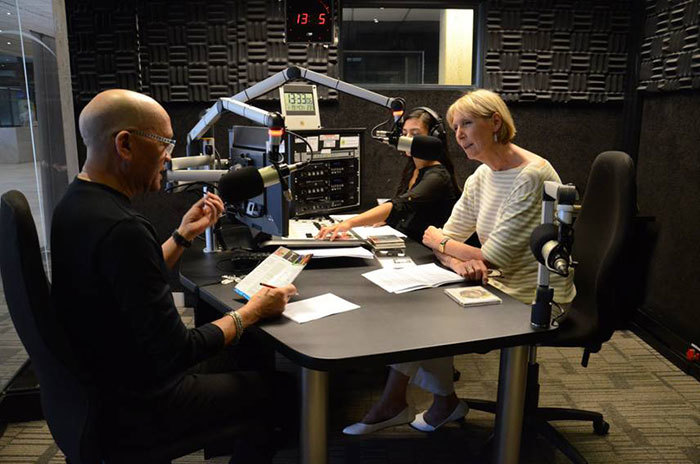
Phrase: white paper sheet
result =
(350, 252)
(317, 307)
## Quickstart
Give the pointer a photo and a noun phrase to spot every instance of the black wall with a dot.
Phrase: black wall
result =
(668, 174)
(668, 179)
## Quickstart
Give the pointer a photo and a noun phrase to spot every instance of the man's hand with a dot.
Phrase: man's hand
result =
(201, 215)
(472, 269)
(432, 237)
(334, 231)
(268, 302)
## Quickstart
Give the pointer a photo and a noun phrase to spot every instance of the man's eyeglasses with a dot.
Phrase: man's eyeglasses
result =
(170, 142)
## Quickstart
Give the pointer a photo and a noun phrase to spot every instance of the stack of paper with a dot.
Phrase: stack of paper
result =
(412, 278)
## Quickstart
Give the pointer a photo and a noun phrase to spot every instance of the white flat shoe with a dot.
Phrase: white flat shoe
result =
(460, 411)
(360, 428)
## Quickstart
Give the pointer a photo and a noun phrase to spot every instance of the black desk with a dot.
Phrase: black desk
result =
(388, 328)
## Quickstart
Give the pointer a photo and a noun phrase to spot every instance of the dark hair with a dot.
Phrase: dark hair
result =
(428, 122)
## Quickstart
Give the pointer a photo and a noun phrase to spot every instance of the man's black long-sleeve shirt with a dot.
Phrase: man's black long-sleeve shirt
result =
(428, 203)
(110, 291)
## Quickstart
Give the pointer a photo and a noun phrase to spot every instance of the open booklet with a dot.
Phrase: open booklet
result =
(278, 269)
(412, 278)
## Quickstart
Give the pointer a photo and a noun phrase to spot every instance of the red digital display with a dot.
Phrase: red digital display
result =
(309, 21)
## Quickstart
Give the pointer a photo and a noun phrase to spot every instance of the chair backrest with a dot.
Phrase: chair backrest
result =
(602, 232)
(69, 404)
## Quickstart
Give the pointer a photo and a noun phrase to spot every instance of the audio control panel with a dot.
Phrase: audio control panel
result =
(331, 183)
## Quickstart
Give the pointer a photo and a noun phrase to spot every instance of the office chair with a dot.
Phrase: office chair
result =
(69, 399)
(602, 230)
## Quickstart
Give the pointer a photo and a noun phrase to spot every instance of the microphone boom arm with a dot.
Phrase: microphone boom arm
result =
(565, 197)
(237, 103)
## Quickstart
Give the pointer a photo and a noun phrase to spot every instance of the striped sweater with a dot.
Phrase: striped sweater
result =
(504, 207)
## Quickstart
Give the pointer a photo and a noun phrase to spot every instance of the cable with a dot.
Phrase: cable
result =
(374, 129)
(311, 149)
(189, 185)
(562, 312)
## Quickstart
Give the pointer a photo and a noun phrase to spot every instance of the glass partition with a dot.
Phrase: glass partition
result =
(32, 148)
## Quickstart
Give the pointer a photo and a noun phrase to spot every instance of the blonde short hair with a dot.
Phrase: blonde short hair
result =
(484, 104)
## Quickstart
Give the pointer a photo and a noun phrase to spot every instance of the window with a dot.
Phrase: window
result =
(408, 46)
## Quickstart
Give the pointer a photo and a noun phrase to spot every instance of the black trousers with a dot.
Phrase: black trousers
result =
(239, 386)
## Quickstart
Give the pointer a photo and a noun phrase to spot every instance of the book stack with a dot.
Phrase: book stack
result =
(387, 245)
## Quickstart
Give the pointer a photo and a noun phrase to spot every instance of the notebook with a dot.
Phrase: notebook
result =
(472, 296)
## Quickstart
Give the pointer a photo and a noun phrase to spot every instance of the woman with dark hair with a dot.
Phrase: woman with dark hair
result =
(426, 194)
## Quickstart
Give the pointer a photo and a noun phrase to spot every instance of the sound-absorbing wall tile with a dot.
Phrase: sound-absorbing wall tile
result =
(510, 19)
(599, 42)
(494, 40)
(580, 41)
(544, 62)
(561, 41)
(528, 62)
(529, 20)
(578, 82)
(601, 19)
(617, 62)
(580, 62)
(510, 61)
(511, 41)
(563, 19)
(582, 20)
(599, 63)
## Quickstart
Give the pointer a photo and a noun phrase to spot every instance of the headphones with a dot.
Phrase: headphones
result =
(436, 128)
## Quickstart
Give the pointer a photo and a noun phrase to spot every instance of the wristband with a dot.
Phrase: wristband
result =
(443, 242)
(180, 240)
(239, 325)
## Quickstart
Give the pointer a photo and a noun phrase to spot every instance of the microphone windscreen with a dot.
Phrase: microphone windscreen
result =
(241, 184)
(426, 147)
(541, 235)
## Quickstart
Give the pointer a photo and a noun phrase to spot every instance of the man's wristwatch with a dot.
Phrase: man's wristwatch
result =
(443, 242)
(180, 240)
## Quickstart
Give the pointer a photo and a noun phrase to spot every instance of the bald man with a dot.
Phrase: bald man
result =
(110, 290)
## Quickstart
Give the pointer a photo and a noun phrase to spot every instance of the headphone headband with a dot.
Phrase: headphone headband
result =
(436, 129)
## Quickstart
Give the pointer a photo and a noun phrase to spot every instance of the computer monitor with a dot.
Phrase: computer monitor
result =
(269, 211)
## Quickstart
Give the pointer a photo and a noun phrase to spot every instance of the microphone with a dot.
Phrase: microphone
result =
(548, 250)
(424, 147)
(250, 182)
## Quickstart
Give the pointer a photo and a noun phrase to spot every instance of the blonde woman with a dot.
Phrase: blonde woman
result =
(501, 201)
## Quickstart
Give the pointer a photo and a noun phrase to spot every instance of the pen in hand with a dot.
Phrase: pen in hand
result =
(263, 284)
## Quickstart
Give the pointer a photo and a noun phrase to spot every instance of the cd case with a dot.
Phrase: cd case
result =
(472, 296)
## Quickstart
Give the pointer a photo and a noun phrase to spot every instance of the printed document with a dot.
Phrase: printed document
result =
(412, 278)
